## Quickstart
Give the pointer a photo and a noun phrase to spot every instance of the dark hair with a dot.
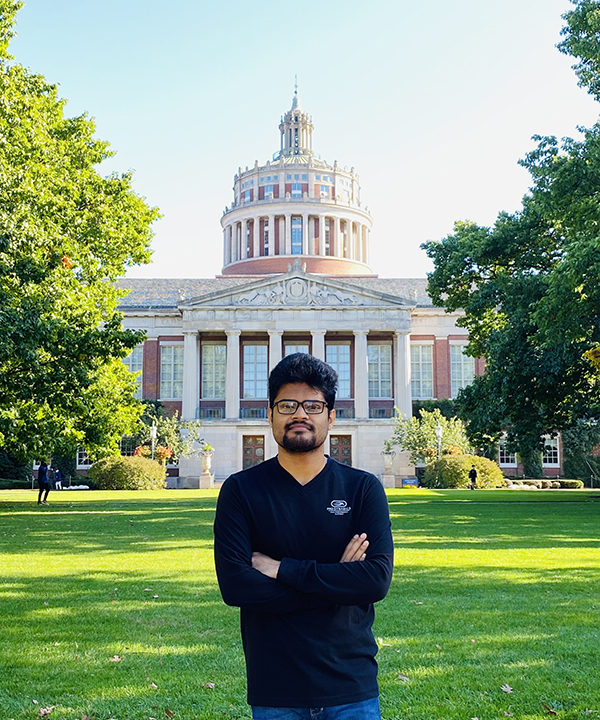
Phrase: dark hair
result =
(304, 368)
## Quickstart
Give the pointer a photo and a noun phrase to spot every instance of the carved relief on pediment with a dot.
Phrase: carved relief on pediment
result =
(298, 291)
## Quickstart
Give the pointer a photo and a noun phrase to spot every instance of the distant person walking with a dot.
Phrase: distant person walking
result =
(58, 479)
(473, 477)
(43, 483)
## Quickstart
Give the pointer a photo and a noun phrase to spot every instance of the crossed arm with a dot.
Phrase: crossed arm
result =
(355, 551)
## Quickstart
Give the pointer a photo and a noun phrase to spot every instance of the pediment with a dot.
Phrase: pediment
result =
(296, 288)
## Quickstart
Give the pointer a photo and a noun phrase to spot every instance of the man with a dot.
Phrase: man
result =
(472, 477)
(43, 483)
(303, 546)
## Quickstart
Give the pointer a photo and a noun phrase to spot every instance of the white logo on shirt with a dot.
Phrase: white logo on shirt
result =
(339, 507)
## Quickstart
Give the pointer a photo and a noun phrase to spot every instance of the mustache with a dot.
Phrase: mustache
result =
(296, 423)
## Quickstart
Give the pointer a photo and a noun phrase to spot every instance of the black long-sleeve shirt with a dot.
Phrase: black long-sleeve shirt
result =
(307, 634)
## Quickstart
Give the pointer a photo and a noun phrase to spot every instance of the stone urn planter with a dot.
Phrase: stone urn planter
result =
(206, 460)
(207, 479)
(388, 460)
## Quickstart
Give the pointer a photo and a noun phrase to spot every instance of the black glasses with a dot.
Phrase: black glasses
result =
(310, 407)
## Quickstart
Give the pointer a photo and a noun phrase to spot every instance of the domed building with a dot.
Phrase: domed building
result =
(295, 278)
(296, 206)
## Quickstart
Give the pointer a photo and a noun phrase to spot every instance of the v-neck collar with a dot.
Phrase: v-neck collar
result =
(316, 481)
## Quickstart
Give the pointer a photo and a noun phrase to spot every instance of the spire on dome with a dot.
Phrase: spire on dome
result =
(296, 100)
(296, 130)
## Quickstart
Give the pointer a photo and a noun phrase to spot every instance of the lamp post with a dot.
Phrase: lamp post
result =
(153, 430)
(439, 431)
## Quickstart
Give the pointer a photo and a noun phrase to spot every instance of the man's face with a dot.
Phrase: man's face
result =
(300, 433)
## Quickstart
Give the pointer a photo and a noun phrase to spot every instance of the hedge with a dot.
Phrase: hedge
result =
(545, 484)
(128, 473)
(452, 471)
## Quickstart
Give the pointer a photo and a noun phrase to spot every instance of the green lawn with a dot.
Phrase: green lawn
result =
(109, 608)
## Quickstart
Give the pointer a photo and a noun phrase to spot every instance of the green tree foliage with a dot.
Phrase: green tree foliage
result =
(581, 35)
(530, 288)
(452, 471)
(65, 233)
(182, 437)
(417, 436)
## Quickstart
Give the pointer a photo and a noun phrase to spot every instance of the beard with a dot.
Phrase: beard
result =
(307, 442)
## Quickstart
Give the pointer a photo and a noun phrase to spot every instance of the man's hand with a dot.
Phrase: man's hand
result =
(266, 565)
(356, 549)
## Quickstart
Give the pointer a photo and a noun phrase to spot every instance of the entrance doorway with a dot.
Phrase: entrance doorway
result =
(253, 450)
(340, 448)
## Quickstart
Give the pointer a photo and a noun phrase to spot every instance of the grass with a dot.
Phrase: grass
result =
(109, 608)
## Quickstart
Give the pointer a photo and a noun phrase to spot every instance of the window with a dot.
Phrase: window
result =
(338, 356)
(296, 177)
(327, 238)
(246, 196)
(268, 190)
(421, 364)
(462, 368)
(255, 371)
(171, 372)
(127, 445)
(505, 458)
(317, 177)
(83, 460)
(296, 190)
(324, 191)
(266, 238)
(214, 363)
(134, 362)
(304, 176)
(291, 349)
(296, 236)
(550, 455)
(380, 370)
(275, 178)
(288, 177)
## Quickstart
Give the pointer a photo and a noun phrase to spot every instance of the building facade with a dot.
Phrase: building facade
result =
(295, 278)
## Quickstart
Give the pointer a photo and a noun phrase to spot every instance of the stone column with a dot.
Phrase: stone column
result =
(322, 220)
(233, 241)
(337, 245)
(288, 235)
(318, 343)
(305, 231)
(402, 388)
(275, 349)
(191, 357)
(256, 238)
(361, 375)
(271, 234)
(232, 380)
(244, 248)
(225, 248)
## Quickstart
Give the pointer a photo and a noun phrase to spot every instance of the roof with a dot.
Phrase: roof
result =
(167, 293)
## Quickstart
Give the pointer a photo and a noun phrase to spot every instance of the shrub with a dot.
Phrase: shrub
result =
(15, 484)
(128, 473)
(452, 471)
(571, 484)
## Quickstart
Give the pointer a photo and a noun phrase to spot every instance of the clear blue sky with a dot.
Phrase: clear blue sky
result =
(432, 102)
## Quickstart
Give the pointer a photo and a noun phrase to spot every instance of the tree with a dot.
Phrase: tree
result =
(66, 232)
(418, 436)
(530, 287)
(175, 438)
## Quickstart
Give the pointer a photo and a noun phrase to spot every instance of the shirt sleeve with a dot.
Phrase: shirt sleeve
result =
(350, 583)
(240, 584)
